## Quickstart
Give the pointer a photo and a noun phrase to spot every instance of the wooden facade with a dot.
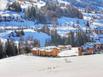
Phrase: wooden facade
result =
(90, 51)
(99, 30)
(50, 53)
(80, 53)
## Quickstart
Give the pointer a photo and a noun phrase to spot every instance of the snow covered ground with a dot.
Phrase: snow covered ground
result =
(71, 21)
(71, 52)
(29, 33)
(3, 4)
(31, 66)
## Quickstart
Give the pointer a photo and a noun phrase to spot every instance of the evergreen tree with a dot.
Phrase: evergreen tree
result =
(82, 38)
(22, 32)
(54, 40)
(36, 43)
(45, 29)
(55, 37)
(70, 39)
(15, 6)
(87, 24)
(30, 12)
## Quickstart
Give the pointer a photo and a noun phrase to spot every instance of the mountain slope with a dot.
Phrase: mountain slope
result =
(94, 4)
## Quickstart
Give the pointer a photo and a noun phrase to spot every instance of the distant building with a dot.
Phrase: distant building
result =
(99, 30)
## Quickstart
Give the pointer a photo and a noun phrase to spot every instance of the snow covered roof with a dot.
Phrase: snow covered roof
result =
(99, 28)
(99, 42)
(98, 38)
(88, 45)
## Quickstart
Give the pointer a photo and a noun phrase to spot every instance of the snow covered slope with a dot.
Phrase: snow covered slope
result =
(3, 4)
(42, 37)
(94, 4)
(31, 66)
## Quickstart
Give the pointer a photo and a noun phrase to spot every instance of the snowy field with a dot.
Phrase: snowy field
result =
(31, 66)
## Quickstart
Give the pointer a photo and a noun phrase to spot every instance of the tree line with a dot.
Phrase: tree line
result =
(77, 38)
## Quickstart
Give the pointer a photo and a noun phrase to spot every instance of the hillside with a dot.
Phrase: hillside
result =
(43, 11)
(93, 4)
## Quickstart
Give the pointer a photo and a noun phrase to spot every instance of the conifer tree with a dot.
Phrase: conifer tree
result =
(30, 12)
(15, 6)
